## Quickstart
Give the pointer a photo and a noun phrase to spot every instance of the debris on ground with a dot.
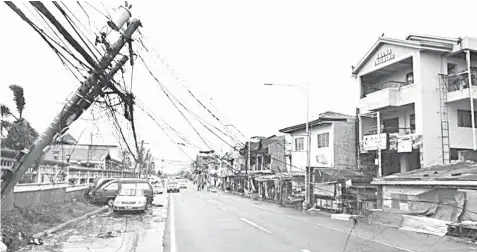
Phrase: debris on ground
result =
(20, 224)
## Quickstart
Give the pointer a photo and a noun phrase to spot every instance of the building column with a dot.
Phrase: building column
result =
(404, 163)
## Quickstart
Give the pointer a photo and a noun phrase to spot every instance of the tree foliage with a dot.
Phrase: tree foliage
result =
(19, 133)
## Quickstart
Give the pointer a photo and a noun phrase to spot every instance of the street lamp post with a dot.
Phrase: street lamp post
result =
(305, 88)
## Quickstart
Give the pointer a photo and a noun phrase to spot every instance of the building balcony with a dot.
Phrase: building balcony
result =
(457, 86)
(387, 94)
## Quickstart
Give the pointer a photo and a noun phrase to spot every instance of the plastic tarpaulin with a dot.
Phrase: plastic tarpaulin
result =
(327, 189)
(442, 204)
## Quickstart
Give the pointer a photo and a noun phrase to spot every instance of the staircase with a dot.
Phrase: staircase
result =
(444, 119)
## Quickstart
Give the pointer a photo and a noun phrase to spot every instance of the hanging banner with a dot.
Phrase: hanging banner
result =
(404, 144)
(370, 142)
(324, 190)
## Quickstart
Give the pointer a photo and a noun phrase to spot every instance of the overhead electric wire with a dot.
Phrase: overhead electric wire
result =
(42, 8)
(74, 28)
(118, 128)
(163, 130)
(153, 117)
(190, 92)
(163, 89)
(45, 37)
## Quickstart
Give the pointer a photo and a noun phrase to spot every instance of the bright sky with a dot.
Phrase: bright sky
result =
(224, 51)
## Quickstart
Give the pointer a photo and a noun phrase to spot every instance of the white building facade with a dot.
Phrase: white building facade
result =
(332, 143)
(420, 88)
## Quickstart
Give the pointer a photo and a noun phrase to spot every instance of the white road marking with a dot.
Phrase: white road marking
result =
(305, 250)
(223, 209)
(355, 235)
(173, 225)
(259, 207)
(255, 225)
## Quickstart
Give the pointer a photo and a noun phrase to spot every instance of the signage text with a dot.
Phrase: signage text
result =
(384, 57)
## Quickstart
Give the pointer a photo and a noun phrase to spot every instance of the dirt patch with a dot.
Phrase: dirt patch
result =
(31, 220)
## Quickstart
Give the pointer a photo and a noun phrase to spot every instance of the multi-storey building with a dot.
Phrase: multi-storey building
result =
(332, 143)
(419, 89)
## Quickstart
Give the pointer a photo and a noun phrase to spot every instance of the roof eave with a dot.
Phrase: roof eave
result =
(406, 43)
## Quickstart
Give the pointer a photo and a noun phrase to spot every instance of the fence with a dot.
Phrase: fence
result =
(37, 194)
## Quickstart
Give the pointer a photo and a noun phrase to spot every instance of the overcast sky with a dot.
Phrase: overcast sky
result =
(224, 51)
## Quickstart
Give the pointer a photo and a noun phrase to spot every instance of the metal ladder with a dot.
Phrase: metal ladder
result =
(444, 119)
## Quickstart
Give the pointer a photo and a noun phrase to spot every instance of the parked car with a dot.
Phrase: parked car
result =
(106, 193)
(140, 183)
(173, 186)
(182, 183)
(130, 199)
(96, 184)
(158, 187)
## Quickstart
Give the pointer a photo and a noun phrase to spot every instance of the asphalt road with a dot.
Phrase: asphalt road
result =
(112, 232)
(209, 222)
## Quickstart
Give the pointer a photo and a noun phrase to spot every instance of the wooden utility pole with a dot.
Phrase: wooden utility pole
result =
(79, 102)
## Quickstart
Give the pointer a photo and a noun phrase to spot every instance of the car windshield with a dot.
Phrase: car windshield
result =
(172, 182)
(131, 192)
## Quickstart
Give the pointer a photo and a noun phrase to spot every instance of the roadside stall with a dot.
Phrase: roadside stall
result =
(343, 191)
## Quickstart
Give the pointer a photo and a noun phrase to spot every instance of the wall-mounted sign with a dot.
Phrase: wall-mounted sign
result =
(370, 142)
(384, 57)
(404, 144)
(321, 159)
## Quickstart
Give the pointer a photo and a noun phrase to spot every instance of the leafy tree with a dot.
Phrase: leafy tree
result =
(20, 134)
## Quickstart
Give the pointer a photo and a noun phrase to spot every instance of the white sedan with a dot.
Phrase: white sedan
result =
(130, 199)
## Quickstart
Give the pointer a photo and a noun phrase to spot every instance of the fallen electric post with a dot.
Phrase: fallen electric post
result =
(79, 102)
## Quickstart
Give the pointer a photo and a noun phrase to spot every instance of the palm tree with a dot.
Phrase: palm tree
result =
(20, 134)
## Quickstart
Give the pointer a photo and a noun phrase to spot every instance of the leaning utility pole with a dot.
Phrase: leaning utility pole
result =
(80, 101)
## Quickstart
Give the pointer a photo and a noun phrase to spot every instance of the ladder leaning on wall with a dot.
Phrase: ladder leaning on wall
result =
(444, 119)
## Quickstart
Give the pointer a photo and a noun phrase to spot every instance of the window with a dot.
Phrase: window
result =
(299, 144)
(412, 122)
(391, 125)
(451, 68)
(324, 140)
(410, 78)
(111, 187)
(464, 118)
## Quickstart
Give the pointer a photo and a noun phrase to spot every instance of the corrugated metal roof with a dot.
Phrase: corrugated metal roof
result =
(461, 171)
(325, 117)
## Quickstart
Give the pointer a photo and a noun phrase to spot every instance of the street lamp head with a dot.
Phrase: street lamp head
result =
(268, 84)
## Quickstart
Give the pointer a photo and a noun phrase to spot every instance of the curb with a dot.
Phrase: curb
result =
(65, 224)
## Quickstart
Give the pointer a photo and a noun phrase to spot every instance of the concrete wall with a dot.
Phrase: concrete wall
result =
(299, 157)
(391, 192)
(37, 194)
(428, 118)
(459, 137)
(345, 145)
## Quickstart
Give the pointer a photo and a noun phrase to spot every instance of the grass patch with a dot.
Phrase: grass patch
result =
(33, 219)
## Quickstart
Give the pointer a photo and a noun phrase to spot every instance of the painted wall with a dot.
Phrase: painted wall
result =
(459, 137)
(400, 52)
(390, 192)
(28, 195)
(428, 118)
(299, 157)
(345, 145)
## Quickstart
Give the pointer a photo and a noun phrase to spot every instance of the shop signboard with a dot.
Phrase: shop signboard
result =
(370, 142)
(404, 144)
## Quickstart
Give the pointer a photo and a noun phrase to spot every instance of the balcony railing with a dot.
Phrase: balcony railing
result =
(460, 81)
(383, 85)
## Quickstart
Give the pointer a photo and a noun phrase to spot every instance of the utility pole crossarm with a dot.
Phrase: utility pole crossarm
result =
(79, 102)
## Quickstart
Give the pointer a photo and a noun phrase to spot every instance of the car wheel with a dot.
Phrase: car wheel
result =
(110, 202)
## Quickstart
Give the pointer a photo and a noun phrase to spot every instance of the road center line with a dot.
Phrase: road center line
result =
(305, 250)
(263, 208)
(223, 209)
(354, 235)
(255, 225)
(173, 225)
